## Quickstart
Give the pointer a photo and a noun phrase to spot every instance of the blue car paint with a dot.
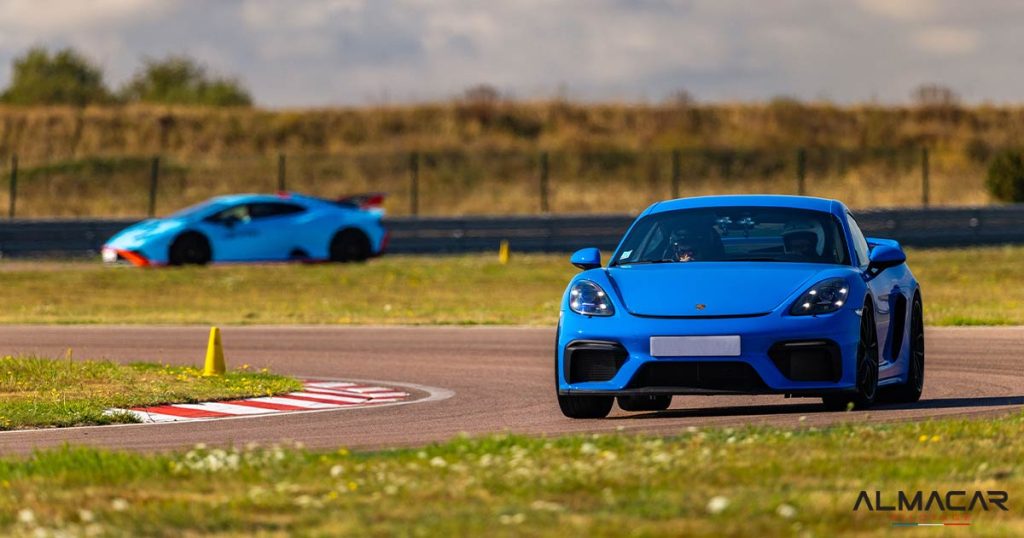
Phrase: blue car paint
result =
(740, 289)
(259, 239)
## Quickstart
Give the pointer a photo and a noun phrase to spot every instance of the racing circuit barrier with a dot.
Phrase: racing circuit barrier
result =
(935, 227)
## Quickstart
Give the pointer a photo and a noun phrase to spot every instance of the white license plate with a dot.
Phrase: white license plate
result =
(695, 346)
(109, 255)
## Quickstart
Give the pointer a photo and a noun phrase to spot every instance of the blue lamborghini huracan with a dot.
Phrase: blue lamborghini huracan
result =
(740, 294)
(256, 228)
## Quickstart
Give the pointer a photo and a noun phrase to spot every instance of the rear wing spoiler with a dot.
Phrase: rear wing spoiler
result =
(366, 200)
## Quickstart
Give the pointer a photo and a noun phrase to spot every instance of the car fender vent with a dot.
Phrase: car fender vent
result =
(899, 324)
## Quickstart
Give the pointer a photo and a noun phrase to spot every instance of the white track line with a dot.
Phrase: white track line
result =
(231, 409)
(144, 417)
(333, 397)
(281, 400)
(330, 385)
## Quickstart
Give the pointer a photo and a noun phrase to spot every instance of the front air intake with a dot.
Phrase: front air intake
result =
(724, 376)
(587, 360)
(810, 360)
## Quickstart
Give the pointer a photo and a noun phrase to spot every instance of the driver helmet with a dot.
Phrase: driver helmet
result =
(684, 244)
(809, 230)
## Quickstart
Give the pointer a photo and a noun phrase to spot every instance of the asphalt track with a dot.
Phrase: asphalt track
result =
(500, 380)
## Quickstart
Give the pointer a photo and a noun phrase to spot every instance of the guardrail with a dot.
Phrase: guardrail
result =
(935, 227)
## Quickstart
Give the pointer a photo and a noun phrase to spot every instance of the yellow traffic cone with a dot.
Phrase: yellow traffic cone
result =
(503, 252)
(214, 354)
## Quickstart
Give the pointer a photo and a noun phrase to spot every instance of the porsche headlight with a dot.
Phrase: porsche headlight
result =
(824, 297)
(589, 299)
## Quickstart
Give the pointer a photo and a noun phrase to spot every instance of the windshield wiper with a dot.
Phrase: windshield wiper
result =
(646, 261)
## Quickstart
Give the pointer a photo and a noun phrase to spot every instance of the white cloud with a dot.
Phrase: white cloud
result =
(310, 52)
(49, 17)
(946, 40)
(901, 10)
(295, 14)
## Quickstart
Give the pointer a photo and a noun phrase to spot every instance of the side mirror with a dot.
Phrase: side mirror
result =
(587, 258)
(230, 222)
(884, 256)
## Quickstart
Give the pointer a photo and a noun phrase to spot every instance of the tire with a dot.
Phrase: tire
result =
(910, 391)
(580, 406)
(350, 246)
(867, 368)
(585, 406)
(653, 402)
(190, 249)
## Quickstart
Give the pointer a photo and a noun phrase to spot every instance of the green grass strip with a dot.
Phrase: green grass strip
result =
(37, 392)
(976, 286)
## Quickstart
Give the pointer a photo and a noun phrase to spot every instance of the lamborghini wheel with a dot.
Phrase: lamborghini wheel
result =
(867, 368)
(350, 246)
(653, 402)
(189, 249)
(910, 391)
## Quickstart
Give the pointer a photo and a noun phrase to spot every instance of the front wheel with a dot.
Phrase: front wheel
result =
(189, 249)
(585, 406)
(867, 368)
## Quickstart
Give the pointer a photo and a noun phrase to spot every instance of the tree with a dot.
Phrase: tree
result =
(1005, 180)
(180, 80)
(481, 94)
(681, 98)
(63, 78)
(935, 96)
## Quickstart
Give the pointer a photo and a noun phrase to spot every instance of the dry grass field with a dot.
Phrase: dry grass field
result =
(484, 157)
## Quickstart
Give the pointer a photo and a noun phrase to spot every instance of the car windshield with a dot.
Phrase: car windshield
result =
(199, 209)
(724, 234)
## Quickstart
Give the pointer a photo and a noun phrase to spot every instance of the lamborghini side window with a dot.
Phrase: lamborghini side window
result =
(860, 244)
(237, 213)
(273, 209)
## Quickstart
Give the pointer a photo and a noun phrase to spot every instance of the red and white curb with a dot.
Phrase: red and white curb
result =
(315, 396)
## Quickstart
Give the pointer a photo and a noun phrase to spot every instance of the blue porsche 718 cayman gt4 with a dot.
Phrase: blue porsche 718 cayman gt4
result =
(740, 295)
(256, 228)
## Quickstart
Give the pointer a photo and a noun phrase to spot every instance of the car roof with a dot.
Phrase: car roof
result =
(254, 197)
(755, 200)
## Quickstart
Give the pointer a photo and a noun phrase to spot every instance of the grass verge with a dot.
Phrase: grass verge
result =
(976, 286)
(722, 482)
(36, 392)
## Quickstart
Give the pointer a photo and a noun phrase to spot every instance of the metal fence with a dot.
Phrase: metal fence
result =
(487, 182)
(935, 227)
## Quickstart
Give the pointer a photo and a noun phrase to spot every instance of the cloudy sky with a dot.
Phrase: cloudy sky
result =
(326, 52)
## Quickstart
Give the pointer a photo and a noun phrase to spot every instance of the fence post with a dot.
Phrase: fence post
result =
(924, 177)
(14, 187)
(154, 178)
(281, 183)
(677, 171)
(544, 182)
(414, 184)
(801, 171)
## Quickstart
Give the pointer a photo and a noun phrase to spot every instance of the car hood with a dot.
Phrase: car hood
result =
(138, 233)
(710, 288)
